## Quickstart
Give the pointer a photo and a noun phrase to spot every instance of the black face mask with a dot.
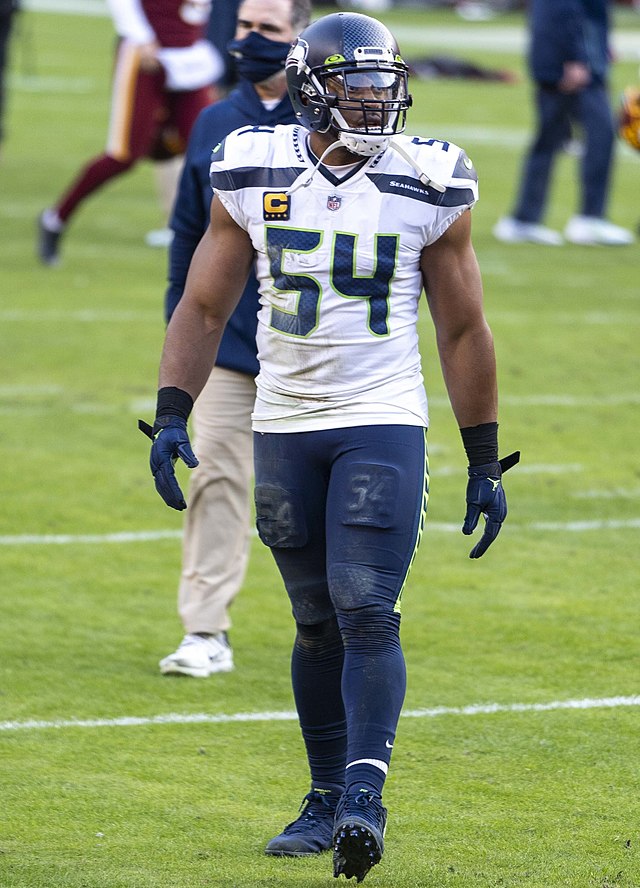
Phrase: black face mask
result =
(257, 58)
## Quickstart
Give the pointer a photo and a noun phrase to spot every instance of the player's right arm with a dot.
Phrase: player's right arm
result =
(217, 276)
(215, 282)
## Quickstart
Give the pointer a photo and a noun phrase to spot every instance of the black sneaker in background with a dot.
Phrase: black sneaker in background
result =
(48, 243)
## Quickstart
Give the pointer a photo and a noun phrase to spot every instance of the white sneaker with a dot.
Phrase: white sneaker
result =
(199, 657)
(512, 231)
(477, 11)
(591, 231)
(159, 237)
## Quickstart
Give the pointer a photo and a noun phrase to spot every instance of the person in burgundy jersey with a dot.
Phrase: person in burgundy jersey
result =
(163, 77)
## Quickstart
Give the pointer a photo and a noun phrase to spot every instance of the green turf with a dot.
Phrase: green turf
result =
(534, 798)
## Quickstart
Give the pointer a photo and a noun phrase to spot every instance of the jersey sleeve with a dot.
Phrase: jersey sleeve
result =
(130, 21)
(452, 170)
(230, 160)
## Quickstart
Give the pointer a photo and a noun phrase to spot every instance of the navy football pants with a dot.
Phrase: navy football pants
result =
(343, 511)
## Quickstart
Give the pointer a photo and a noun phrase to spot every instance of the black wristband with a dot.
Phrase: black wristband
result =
(481, 443)
(174, 402)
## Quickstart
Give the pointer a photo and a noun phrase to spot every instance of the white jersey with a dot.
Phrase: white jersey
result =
(338, 261)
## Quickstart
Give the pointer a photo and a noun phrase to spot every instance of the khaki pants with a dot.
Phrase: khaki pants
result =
(217, 527)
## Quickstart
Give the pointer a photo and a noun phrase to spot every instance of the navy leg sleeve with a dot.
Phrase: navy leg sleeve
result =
(373, 689)
(316, 674)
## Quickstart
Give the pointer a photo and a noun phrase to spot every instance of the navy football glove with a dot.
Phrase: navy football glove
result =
(485, 495)
(170, 441)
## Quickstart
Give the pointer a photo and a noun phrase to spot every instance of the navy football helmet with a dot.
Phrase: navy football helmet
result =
(345, 73)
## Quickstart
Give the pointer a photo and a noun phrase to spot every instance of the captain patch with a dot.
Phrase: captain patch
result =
(276, 205)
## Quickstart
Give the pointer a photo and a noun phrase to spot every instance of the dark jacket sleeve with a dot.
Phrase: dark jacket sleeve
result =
(567, 31)
(189, 218)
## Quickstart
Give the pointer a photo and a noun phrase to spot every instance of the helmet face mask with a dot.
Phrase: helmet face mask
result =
(345, 74)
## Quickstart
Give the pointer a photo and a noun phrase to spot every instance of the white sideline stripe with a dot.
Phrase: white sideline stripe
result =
(65, 539)
(526, 469)
(616, 493)
(20, 391)
(205, 718)
(525, 318)
(29, 83)
(140, 405)
(615, 400)
(97, 9)
(581, 526)
(592, 318)
(151, 536)
(554, 705)
(507, 38)
(83, 316)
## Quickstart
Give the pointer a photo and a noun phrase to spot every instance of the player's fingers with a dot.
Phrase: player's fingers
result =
(491, 531)
(471, 518)
(187, 455)
(168, 487)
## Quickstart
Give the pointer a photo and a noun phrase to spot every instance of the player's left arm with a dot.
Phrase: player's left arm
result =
(453, 286)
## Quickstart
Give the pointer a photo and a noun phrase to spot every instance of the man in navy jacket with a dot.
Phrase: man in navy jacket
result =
(217, 525)
(569, 63)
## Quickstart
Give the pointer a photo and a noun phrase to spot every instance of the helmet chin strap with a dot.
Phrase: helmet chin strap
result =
(422, 176)
(372, 145)
(381, 143)
(304, 183)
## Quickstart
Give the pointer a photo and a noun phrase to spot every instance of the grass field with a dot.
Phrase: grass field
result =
(112, 776)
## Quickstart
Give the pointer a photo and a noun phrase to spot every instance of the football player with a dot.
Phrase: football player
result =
(163, 77)
(346, 220)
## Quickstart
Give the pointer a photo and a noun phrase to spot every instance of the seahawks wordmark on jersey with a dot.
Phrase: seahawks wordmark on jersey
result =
(338, 260)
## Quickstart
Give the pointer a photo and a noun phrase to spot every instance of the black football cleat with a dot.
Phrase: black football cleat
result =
(312, 832)
(358, 839)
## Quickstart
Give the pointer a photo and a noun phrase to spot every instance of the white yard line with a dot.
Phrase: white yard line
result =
(151, 536)
(557, 400)
(82, 316)
(524, 318)
(206, 718)
(14, 397)
(99, 539)
(35, 83)
(523, 469)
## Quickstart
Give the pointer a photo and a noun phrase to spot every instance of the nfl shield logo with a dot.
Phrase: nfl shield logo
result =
(334, 202)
